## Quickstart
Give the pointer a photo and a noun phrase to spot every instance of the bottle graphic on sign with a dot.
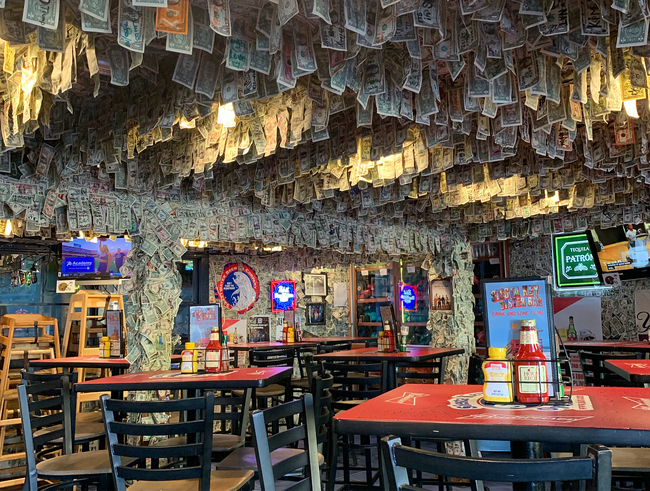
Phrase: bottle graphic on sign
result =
(572, 335)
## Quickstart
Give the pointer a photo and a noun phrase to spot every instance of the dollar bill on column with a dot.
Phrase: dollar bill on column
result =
(97, 9)
(131, 26)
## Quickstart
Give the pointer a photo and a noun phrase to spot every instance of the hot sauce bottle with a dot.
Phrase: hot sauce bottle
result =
(531, 376)
(213, 353)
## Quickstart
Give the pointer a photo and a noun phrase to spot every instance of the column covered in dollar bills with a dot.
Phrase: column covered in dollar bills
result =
(454, 261)
(154, 286)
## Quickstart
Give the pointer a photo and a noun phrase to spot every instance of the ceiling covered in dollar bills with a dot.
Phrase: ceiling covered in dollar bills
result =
(508, 118)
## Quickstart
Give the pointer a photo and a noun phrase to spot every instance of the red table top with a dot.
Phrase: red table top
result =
(642, 346)
(338, 339)
(637, 371)
(607, 415)
(237, 378)
(412, 353)
(271, 344)
(85, 362)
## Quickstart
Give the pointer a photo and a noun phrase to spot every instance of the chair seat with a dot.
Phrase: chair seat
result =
(76, 465)
(300, 383)
(220, 442)
(273, 390)
(83, 432)
(219, 481)
(89, 417)
(244, 458)
(630, 460)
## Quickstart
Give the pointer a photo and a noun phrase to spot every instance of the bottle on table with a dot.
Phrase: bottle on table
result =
(530, 372)
(188, 359)
(497, 377)
(390, 337)
(285, 331)
(298, 333)
(225, 355)
(291, 334)
(213, 353)
(105, 347)
(380, 341)
(572, 334)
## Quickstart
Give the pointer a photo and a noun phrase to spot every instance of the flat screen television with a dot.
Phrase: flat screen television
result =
(95, 258)
(574, 265)
(624, 249)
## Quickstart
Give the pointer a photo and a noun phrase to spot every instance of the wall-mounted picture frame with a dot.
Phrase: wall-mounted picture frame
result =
(316, 313)
(315, 284)
(441, 295)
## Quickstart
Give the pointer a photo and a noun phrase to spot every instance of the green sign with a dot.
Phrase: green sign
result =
(574, 262)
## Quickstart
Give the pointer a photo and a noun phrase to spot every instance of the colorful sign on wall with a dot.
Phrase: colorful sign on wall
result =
(408, 296)
(238, 288)
(283, 295)
(202, 319)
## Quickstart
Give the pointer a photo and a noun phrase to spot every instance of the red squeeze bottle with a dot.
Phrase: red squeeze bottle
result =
(213, 353)
(388, 333)
(531, 377)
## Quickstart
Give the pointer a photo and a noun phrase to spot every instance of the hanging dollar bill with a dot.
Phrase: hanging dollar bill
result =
(98, 9)
(181, 43)
(52, 39)
(43, 14)
(287, 9)
(304, 52)
(355, 15)
(175, 18)
(118, 61)
(219, 13)
(131, 26)
(150, 3)
(333, 35)
(92, 24)
(186, 69)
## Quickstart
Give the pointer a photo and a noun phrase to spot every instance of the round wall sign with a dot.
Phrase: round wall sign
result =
(239, 288)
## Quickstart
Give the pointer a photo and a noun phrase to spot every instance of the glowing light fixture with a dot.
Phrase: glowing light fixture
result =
(226, 116)
(9, 231)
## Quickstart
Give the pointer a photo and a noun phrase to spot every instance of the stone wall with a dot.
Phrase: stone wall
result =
(533, 257)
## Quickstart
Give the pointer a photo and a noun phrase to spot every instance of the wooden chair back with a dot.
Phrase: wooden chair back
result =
(424, 372)
(277, 357)
(44, 405)
(307, 460)
(595, 372)
(595, 469)
(356, 382)
(197, 451)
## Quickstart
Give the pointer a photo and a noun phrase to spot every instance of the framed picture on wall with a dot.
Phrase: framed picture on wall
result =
(441, 295)
(316, 313)
(315, 284)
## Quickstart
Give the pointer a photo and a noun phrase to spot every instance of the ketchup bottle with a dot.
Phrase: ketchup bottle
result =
(531, 377)
(213, 353)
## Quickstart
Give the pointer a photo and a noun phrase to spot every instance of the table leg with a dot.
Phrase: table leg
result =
(527, 450)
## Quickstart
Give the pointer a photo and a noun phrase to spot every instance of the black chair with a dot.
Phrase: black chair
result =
(595, 469)
(429, 371)
(86, 427)
(47, 428)
(233, 413)
(305, 460)
(322, 392)
(312, 368)
(277, 357)
(353, 384)
(281, 415)
(334, 347)
(195, 454)
(596, 374)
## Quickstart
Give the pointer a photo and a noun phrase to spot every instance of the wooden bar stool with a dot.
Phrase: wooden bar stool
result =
(42, 340)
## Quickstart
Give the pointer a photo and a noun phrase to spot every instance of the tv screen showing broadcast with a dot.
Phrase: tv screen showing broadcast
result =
(95, 257)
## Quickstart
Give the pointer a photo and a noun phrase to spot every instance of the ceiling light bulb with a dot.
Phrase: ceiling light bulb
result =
(9, 231)
(226, 116)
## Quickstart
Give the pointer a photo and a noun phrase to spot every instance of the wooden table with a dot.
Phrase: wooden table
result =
(266, 345)
(115, 365)
(636, 371)
(237, 378)
(413, 353)
(341, 339)
(599, 346)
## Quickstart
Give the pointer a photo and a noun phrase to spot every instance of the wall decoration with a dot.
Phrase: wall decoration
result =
(283, 295)
(238, 288)
(441, 295)
(260, 330)
(316, 313)
(642, 313)
(315, 284)
(578, 318)
(408, 296)
(202, 319)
